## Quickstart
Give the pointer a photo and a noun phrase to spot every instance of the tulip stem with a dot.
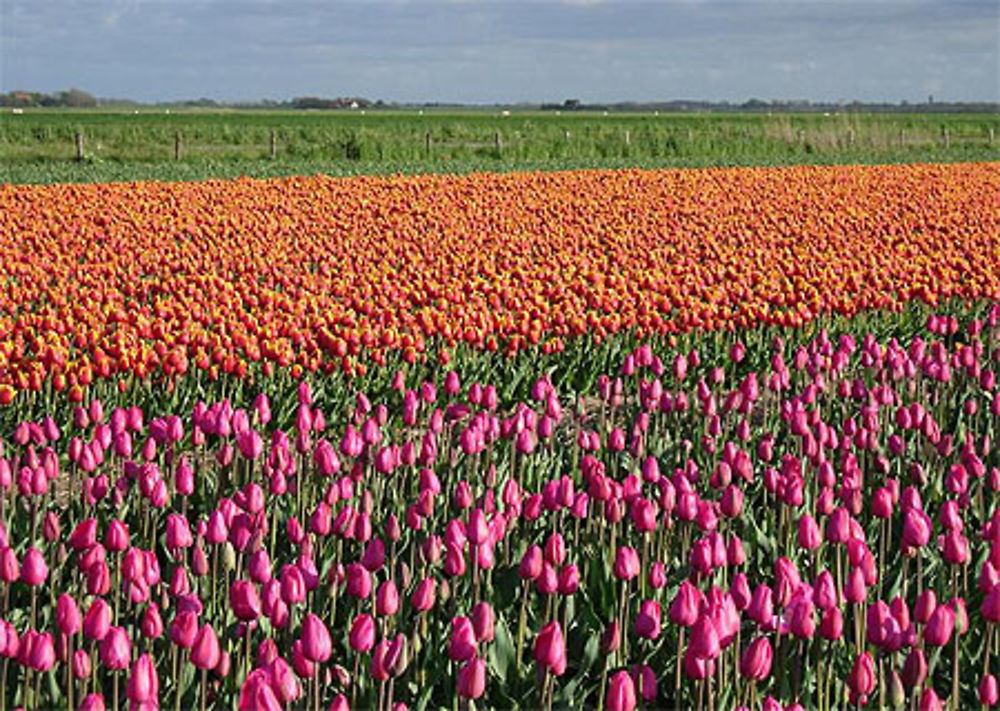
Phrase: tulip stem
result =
(677, 672)
(522, 621)
(176, 677)
(204, 689)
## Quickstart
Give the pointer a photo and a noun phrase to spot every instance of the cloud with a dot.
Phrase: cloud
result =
(480, 51)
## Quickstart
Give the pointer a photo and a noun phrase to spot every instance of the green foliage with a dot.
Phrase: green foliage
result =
(38, 146)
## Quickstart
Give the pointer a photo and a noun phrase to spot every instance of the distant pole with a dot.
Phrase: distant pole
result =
(945, 138)
(274, 144)
(79, 146)
(178, 146)
(427, 144)
(498, 142)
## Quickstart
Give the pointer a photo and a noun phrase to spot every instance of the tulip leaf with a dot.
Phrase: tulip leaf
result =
(502, 653)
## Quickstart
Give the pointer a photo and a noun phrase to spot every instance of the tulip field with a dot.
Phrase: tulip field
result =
(700, 439)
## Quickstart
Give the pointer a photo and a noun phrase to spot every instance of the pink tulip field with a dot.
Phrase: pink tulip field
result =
(801, 519)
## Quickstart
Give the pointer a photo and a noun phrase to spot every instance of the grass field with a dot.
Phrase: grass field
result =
(40, 146)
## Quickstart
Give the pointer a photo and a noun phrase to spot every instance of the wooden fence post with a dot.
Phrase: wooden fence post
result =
(79, 146)
(178, 146)
(274, 144)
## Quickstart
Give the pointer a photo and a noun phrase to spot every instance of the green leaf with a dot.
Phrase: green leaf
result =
(502, 653)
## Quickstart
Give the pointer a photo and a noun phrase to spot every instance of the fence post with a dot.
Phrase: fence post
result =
(945, 138)
(427, 144)
(79, 146)
(274, 144)
(178, 146)
(498, 142)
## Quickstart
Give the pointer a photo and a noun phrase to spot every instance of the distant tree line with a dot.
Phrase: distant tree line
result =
(71, 98)
(78, 98)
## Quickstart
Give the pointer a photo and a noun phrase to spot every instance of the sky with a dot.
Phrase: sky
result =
(469, 51)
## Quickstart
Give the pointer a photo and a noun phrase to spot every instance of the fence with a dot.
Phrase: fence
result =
(587, 142)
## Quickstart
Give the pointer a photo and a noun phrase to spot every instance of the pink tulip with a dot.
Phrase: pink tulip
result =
(482, 622)
(755, 663)
(116, 649)
(244, 600)
(626, 564)
(647, 623)
(362, 635)
(205, 652)
(92, 702)
(472, 679)
(143, 684)
(462, 642)
(621, 692)
(34, 571)
(316, 643)
(861, 681)
(97, 621)
(550, 649)
(68, 617)
(704, 639)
